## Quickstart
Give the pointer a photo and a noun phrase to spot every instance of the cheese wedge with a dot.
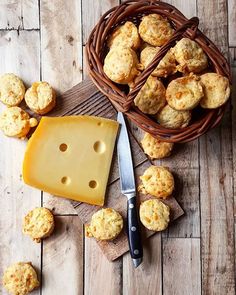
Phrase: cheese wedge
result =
(71, 157)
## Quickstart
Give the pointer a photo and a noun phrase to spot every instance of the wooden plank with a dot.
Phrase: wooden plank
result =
(19, 53)
(234, 151)
(213, 20)
(182, 267)
(147, 278)
(92, 11)
(21, 14)
(216, 187)
(61, 52)
(187, 195)
(96, 264)
(234, 133)
(188, 8)
(61, 43)
(232, 22)
(100, 275)
(232, 53)
(62, 258)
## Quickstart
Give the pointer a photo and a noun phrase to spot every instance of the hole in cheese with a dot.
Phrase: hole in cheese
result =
(63, 147)
(100, 124)
(93, 184)
(65, 180)
(99, 147)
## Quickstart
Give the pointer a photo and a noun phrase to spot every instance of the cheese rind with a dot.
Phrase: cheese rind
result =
(71, 157)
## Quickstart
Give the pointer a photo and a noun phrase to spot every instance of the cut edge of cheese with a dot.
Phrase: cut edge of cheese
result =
(71, 157)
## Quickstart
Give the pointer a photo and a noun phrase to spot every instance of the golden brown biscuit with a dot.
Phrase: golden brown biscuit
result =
(121, 65)
(154, 215)
(147, 55)
(166, 66)
(184, 93)
(15, 122)
(151, 97)
(155, 148)
(170, 118)
(216, 90)
(125, 36)
(157, 181)
(40, 98)
(12, 90)
(20, 278)
(155, 30)
(190, 56)
(106, 224)
(38, 224)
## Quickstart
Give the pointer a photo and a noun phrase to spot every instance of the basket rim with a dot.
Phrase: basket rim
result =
(123, 102)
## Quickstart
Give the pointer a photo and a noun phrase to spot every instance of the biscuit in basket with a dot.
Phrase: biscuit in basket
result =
(216, 90)
(155, 148)
(106, 224)
(190, 56)
(151, 97)
(170, 118)
(166, 66)
(155, 29)
(184, 93)
(15, 122)
(12, 90)
(40, 98)
(121, 65)
(154, 215)
(157, 181)
(20, 278)
(126, 35)
(38, 224)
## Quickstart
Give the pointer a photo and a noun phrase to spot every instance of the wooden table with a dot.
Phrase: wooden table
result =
(45, 40)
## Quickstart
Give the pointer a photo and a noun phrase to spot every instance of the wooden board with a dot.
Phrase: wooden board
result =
(84, 98)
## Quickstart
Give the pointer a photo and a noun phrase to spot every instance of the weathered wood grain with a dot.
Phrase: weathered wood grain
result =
(232, 22)
(17, 198)
(188, 8)
(61, 65)
(94, 276)
(61, 43)
(232, 54)
(92, 11)
(216, 187)
(147, 278)
(234, 134)
(213, 20)
(187, 195)
(21, 14)
(61, 53)
(182, 267)
(100, 275)
(62, 263)
(234, 153)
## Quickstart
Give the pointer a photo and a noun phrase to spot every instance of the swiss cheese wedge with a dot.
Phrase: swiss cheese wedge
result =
(71, 157)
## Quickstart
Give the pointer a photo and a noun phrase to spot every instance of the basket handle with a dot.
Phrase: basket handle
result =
(140, 81)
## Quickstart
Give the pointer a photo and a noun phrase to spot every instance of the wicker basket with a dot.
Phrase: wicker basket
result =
(96, 49)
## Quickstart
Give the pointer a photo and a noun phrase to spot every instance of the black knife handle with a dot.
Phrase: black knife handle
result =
(134, 236)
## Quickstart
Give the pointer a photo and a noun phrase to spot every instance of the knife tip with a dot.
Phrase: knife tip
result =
(137, 261)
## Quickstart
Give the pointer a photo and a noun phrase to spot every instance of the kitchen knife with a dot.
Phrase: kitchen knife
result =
(127, 183)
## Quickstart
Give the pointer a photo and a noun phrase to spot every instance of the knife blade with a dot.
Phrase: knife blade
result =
(128, 188)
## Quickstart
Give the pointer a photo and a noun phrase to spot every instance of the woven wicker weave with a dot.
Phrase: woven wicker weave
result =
(96, 50)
